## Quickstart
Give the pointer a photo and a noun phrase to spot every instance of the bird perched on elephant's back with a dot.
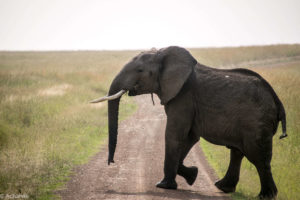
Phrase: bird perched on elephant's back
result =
(236, 108)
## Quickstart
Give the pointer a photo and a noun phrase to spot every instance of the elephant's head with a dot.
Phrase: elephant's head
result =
(162, 72)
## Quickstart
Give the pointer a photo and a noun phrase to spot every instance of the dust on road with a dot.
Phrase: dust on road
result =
(139, 161)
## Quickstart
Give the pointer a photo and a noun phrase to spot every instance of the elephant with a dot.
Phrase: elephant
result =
(236, 108)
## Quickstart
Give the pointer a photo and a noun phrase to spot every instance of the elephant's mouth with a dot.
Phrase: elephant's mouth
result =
(133, 91)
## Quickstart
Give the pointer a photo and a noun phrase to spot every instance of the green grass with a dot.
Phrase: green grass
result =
(285, 79)
(47, 125)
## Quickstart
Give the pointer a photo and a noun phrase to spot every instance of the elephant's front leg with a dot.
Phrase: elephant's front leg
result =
(170, 165)
(176, 134)
(188, 173)
(172, 154)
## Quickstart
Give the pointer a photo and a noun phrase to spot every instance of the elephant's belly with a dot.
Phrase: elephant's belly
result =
(216, 139)
(218, 133)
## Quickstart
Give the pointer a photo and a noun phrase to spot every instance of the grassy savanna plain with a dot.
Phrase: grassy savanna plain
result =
(47, 126)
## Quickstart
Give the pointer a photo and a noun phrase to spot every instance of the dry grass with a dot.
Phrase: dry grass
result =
(246, 56)
(46, 123)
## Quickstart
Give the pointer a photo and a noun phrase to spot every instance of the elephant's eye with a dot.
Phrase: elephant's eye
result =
(140, 70)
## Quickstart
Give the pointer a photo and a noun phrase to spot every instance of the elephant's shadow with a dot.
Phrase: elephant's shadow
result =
(174, 194)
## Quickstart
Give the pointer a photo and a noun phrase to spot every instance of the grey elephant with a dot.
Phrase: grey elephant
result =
(235, 108)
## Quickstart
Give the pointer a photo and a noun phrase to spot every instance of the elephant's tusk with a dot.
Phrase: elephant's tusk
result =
(108, 98)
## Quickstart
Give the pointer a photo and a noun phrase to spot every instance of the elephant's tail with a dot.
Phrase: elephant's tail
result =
(282, 118)
(280, 110)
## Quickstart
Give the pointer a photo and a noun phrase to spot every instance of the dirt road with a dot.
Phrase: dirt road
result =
(139, 164)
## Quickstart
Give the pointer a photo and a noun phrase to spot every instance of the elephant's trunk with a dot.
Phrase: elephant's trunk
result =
(113, 112)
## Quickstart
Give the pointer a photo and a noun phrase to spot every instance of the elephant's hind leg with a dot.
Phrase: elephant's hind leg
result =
(261, 157)
(188, 173)
(230, 180)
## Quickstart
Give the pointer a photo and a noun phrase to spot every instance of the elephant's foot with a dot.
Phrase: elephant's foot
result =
(189, 174)
(167, 184)
(225, 185)
(269, 193)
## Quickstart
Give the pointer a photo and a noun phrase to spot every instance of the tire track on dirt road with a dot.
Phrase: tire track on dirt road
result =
(139, 165)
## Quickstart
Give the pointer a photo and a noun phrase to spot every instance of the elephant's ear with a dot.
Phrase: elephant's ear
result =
(176, 66)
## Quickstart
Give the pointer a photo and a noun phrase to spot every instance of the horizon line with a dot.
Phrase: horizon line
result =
(139, 49)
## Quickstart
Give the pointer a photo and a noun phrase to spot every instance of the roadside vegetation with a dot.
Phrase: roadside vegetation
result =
(284, 76)
(47, 125)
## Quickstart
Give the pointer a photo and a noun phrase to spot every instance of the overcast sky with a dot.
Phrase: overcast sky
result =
(139, 24)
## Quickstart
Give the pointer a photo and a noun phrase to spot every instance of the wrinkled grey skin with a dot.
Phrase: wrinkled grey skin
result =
(236, 108)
